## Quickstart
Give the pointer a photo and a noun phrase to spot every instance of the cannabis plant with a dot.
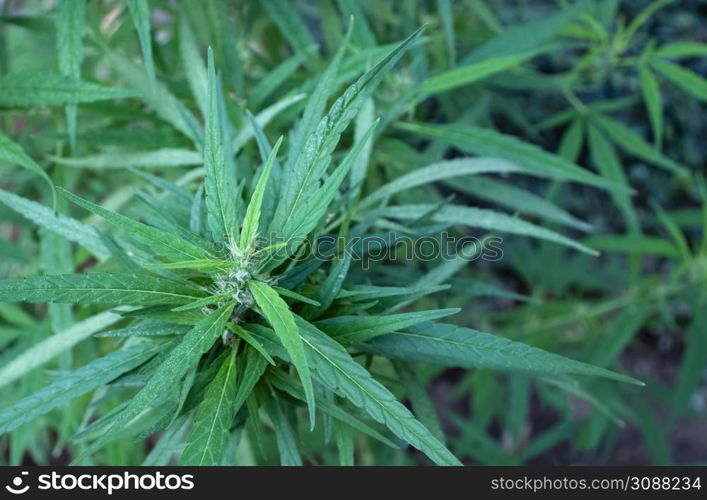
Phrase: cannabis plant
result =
(264, 242)
(236, 298)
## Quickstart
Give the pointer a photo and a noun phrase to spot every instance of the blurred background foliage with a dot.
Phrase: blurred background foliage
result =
(617, 87)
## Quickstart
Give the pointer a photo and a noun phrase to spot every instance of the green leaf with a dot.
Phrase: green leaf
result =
(362, 33)
(335, 368)
(167, 157)
(694, 359)
(682, 49)
(517, 199)
(161, 242)
(206, 301)
(528, 36)
(290, 24)
(146, 328)
(160, 98)
(284, 383)
(370, 292)
(99, 288)
(451, 345)
(70, 26)
(251, 221)
(263, 118)
(439, 171)
(76, 383)
(572, 140)
(356, 329)
(194, 64)
(276, 311)
(297, 171)
(465, 75)
(140, 12)
(313, 155)
(226, 34)
(252, 341)
(203, 265)
(607, 162)
(13, 153)
(55, 255)
(689, 81)
(276, 77)
(651, 96)
(446, 17)
(327, 291)
(674, 231)
(212, 422)
(625, 37)
(220, 191)
(364, 122)
(634, 144)
(45, 217)
(421, 402)
(296, 296)
(51, 347)
(171, 440)
(633, 244)
(487, 142)
(618, 333)
(483, 218)
(37, 90)
(284, 435)
(654, 433)
(178, 363)
(344, 445)
(316, 205)
(254, 368)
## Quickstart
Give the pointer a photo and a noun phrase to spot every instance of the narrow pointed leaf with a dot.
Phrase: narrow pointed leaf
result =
(336, 369)
(278, 314)
(11, 152)
(488, 142)
(284, 434)
(439, 171)
(194, 64)
(53, 346)
(140, 13)
(178, 363)
(465, 75)
(168, 157)
(355, 329)
(651, 96)
(45, 217)
(450, 345)
(506, 194)
(251, 222)
(70, 26)
(213, 419)
(76, 383)
(38, 90)
(634, 144)
(312, 160)
(161, 242)
(98, 288)
(220, 190)
(483, 218)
